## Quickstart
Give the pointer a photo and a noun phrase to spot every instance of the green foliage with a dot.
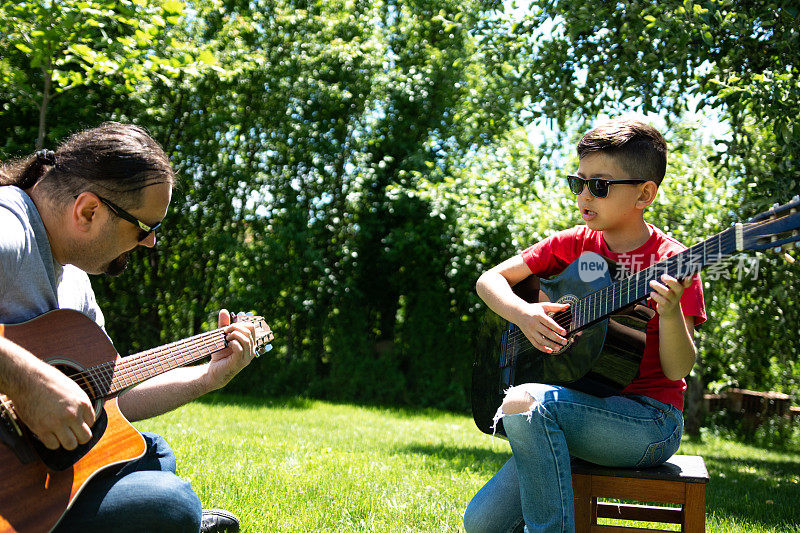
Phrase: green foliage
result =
(349, 168)
(777, 433)
(53, 48)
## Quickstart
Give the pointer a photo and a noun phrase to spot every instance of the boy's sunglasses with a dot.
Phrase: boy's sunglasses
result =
(144, 229)
(597, 186)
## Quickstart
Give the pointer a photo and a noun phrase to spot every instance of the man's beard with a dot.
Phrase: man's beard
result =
(116, 266)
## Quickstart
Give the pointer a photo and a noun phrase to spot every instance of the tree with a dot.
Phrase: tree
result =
(54, 48)
(348, 168)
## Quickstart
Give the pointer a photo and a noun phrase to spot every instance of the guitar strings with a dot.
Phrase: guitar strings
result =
(672, 266)
(180, 352)
(101, 377)
(105, 375)
(111, 373)
(139, 365)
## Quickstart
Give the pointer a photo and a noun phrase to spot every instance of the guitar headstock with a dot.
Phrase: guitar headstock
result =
(774, 228)
(263, 332)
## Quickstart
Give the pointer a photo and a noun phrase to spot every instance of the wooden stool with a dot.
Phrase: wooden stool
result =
(681, 480)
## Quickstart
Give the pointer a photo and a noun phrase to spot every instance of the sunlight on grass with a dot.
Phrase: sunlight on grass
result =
(302, 465)
(315, 466)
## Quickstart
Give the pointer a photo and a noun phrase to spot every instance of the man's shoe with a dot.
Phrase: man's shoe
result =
(219, 521)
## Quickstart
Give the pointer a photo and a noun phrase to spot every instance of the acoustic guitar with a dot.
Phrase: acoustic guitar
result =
(606, 320)
(38, 485)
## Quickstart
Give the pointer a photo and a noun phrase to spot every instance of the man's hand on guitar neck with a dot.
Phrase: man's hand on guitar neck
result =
(178, 386)
(225, 364)
(52, 405)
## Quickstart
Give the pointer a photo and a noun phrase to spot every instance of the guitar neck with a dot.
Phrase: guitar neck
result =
(636, 287)
(109, 379)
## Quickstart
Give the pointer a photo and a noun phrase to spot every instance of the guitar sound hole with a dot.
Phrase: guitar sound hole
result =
(84, 380)
(61, 459)
(564, 319)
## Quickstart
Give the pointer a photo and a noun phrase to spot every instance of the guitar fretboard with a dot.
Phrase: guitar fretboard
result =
(636, 287)
(108, 379)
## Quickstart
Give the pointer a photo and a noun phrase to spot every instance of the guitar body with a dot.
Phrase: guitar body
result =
(33, 495)
(601, 359)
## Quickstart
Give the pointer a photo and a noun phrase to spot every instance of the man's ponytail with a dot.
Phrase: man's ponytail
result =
(24, 173)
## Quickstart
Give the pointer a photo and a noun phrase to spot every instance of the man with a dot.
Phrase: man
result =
(65, 214)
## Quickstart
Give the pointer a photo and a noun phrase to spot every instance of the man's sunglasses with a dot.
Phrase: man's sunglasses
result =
(144, 229)
(597, 186)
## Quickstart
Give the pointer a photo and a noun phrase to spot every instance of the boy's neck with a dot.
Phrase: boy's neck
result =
(627, 239)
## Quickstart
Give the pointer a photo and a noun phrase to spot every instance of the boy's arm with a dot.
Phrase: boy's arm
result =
(676, 346)
(494, 288)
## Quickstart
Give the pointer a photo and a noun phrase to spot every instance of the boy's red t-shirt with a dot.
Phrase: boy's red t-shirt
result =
(552, 255)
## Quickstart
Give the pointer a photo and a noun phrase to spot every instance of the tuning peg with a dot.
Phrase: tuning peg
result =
(264, 349)
(241, 315)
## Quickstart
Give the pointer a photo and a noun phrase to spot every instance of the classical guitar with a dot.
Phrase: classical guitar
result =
(606, 319)
(38, 485)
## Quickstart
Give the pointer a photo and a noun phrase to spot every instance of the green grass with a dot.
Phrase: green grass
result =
(302, 465)
(751, 488)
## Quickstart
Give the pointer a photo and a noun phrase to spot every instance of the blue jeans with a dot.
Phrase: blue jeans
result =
(534, 488)
(145, 495)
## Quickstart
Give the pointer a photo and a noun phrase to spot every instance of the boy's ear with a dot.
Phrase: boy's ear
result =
(647, 194)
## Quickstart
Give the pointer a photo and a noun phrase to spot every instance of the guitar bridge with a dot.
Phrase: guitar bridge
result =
(12, 436)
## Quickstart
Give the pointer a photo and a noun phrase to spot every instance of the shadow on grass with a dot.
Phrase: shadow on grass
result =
(761, 492)
(765, 492)
(253, 402)
(223, 397)
(479, 460)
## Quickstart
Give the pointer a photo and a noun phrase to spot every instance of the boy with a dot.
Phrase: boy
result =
(621, 165)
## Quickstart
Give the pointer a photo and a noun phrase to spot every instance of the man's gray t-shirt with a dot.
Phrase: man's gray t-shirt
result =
(31, 282)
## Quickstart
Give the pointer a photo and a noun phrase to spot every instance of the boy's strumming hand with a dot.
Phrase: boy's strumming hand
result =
(667, 296)
(539, 327)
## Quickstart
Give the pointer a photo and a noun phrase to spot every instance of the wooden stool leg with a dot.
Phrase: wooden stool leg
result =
(581, 489)
(694, 508)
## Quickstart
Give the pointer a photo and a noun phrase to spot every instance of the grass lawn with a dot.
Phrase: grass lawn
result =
(303, 465)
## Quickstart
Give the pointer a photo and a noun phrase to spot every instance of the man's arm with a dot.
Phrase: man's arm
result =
(50, 404)
(172, 389)
(53, 406)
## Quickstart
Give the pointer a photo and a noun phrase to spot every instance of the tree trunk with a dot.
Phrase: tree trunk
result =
(48, 80)
(693, 410)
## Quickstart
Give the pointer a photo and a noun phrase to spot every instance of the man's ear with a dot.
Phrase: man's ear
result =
(647, 194)
(85, 211)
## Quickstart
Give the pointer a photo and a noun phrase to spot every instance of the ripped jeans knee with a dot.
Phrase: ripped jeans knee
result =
(517, 401)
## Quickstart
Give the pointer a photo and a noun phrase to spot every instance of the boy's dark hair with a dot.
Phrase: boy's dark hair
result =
(639, 149)
(114, 160)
